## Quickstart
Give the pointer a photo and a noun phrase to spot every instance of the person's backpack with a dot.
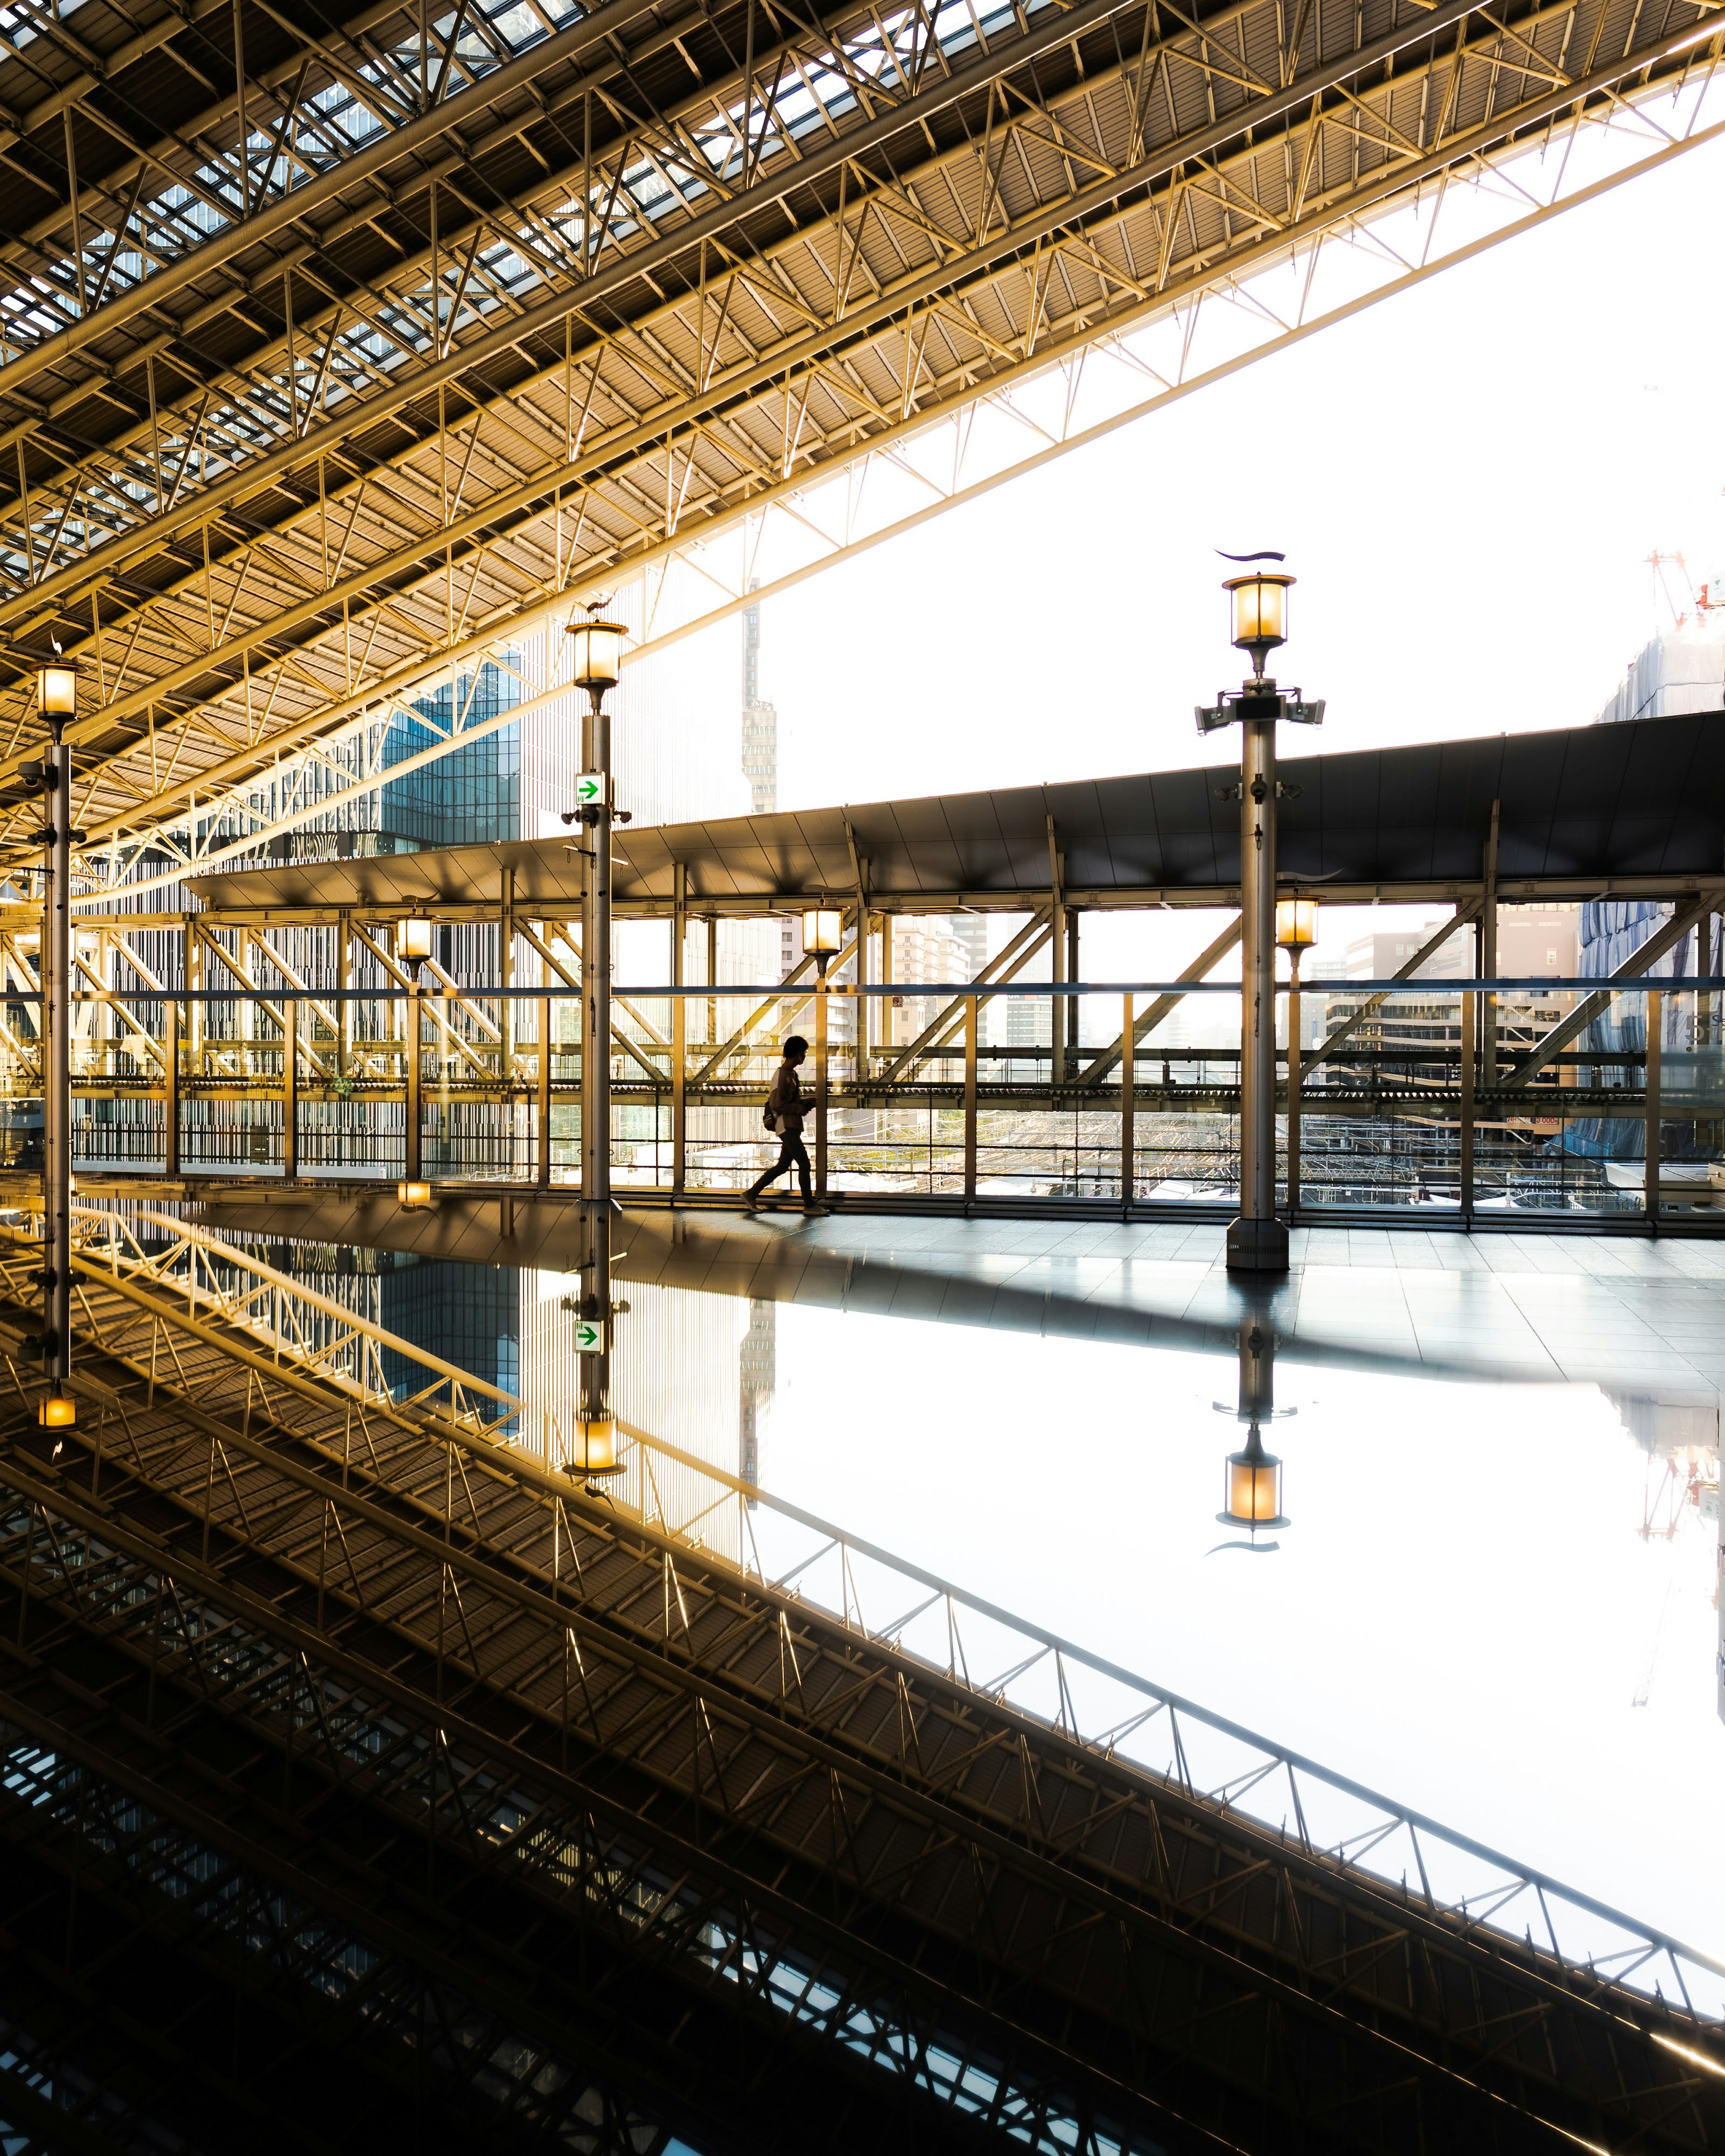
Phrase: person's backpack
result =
(768, 1118)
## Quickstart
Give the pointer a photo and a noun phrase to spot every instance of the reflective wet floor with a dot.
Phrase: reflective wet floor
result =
(1495, 1593)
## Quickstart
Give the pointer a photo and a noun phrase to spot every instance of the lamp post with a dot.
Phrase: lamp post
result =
(413, 947)
(57, 701)
(1257, 1240)
(822, 935)
(1296, 931)
(598, 663)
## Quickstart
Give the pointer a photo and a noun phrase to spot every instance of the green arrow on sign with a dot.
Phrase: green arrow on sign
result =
(586, 1335)
(588, 789)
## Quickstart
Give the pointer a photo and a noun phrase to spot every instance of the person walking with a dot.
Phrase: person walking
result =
(784, 1116)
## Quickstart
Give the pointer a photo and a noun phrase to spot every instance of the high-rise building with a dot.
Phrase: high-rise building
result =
(760, 723)
(756, 1379)
(1681, 670)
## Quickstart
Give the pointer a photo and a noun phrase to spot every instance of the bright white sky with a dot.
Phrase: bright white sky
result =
(1467, 479)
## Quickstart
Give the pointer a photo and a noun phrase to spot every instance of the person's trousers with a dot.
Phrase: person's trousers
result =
(791, 1152)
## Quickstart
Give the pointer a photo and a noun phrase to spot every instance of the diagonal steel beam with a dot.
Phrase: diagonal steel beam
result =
(1198, 970)
(1597, 1004)
(1465, 912)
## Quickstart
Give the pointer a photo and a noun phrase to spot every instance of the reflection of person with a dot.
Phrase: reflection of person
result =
(784, 1116)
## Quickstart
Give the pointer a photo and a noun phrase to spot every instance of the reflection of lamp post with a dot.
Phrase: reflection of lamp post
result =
(592, 1454)
(57, 701)
(598, 664)
(1257, 1240)
(1296, 931)
(1252, 1498)
(820, 936)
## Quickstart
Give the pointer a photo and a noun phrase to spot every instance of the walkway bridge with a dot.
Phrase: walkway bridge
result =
(365, 1775)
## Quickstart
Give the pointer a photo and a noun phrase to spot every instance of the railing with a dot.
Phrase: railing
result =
(1565, 1096)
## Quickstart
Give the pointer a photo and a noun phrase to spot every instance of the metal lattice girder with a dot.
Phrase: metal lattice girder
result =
(325, 510)
(1088, 1935)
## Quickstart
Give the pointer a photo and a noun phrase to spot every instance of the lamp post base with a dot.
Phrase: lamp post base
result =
(1257, 1246)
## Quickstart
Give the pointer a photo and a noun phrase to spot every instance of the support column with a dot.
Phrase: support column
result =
(596, 1062)
(889, 1024)
(1488, 956)
(678, 1032)
(973, 1016)
(56, 977)
(712, 979)
(1056, 960)
(1074, 974)
(290, 1089)
(1655, 1027)
(171, 1087)
(820, 1087)
(1128, 1105)
(1257, 1240)
(1468, 1000)
(1293, 1083)
(411, 1016)
(542, 1164)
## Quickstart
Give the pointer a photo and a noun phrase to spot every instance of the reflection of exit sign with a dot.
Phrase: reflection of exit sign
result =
(589, 786)
(590, 1337)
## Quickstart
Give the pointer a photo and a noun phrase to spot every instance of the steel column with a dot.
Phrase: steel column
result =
(1293, 1083)
(596, 1059)
(56, 977)
(820, 1087)
(1655, 1022)
(1488, 954)
(1128, 1105)
(412, 1023)
(679, 1034)
(1258, 1240)
(290, 1089)
(1468, 999)
(542, 1162)
(973, 1019)
(171, 1089)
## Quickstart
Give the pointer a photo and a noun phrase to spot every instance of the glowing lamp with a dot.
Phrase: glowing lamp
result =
(593, 1450)
(1260, 610)
(1296, 923)
(57, 1411)
(599, 649)
(412, 939)
(1254, 1488)
(821, 935)
(412, 1197)
(57, 689)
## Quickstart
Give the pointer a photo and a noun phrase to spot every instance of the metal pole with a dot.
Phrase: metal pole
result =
(679, 1058)
(543, 1165)
(414, 1114)
(57, 1073)
(820, 1086)
(973, 1017)
(1488, 955)
(1467, 1114)
(1655, 1020)
(1128, 1105)
(290, 1091)
(171, 1088)
(1293, 1082)
(596, 1062)
(1258, 1240)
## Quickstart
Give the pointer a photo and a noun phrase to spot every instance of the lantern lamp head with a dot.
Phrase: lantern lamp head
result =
(57, 689)
(599, 649)
(1259, 601)
(1295, 923)
(593, 1454)
(821, 935)
(57, 1411)
(412, 939)
(1254, 1489)
(412, 1197)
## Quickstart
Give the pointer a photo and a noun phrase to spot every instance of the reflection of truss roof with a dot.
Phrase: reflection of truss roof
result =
(1643, 800)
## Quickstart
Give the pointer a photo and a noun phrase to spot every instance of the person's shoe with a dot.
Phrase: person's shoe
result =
(816, 1212)
(752, 1203)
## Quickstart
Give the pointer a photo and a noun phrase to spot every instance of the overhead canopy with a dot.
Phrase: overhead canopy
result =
(1596, 804)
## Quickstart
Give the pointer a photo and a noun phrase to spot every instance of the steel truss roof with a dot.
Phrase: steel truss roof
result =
(333, 347)
(527, 1740)
(1581, 810)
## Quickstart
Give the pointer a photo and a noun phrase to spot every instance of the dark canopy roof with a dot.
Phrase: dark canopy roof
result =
(1643, 798)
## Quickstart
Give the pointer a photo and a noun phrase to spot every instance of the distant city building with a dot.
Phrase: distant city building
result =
(1681, 670)
(760, 723)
